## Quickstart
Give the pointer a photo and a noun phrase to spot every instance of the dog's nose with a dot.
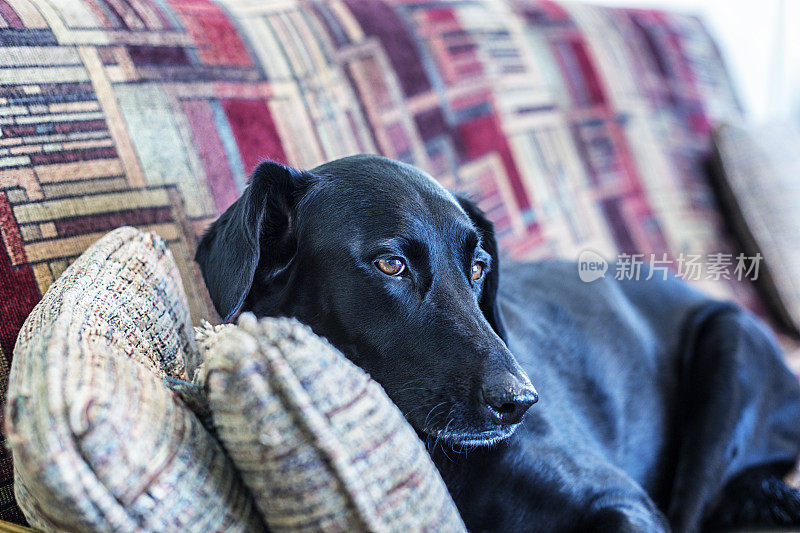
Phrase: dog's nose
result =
(508, 398)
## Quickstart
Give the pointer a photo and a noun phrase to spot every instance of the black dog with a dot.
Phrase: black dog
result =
(660, 408)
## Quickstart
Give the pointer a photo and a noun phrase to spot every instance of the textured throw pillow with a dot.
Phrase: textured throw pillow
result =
(99, 442)
(319, 444)
(758, 177)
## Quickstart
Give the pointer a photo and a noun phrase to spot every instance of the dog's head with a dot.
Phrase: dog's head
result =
(397, 272)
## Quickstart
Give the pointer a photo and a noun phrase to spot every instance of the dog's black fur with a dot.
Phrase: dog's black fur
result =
(660, 408)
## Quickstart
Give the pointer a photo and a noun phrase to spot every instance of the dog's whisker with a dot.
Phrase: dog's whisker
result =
(428, 446)
(433, 435)
(415, 380)
(415, 409)
(444, 432)
(425, 424)
(400, 391)
(436, 439)
(412, 382)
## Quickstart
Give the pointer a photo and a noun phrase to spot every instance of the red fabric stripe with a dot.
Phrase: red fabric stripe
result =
(80, 125)
(254, 131)
(217, 39)
(108, 221)
(10, 16)
(71, 156)
(18, 289)
(593, 85)
(212, 153)
(483, 135)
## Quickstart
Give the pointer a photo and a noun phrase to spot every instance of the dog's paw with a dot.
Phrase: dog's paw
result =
(758, 497)
(625, 520)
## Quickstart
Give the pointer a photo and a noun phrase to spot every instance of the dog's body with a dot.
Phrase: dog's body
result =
(659, 406)
(652, 396)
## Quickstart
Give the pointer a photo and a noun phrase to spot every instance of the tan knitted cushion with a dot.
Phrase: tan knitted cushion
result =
(757, 172)
(318, 442)
(98, 441)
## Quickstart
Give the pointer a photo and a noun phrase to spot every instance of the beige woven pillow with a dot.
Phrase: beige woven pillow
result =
(319, 444)
(757, 173)
(99, 442)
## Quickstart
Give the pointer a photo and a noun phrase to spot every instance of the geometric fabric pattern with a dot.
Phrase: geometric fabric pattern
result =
(572, 126)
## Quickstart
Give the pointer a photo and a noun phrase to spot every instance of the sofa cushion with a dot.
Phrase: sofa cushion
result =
(572, 125)
(319, 444)
(757, 172)
(99, 442)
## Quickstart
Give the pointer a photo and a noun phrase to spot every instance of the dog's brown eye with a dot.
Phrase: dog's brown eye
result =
(391, 266)
(477, 271)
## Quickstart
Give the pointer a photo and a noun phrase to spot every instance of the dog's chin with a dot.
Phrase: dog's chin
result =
(473, 439)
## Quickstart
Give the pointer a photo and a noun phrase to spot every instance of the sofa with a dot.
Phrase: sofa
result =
(575, 127)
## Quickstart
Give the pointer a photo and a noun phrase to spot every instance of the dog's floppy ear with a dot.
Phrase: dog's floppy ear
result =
(256, 232)
(488, 303)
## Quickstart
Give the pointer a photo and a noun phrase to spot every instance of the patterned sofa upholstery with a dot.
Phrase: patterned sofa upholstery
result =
(574, 126)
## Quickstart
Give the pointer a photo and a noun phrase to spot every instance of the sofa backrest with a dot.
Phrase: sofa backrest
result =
(573, 126)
